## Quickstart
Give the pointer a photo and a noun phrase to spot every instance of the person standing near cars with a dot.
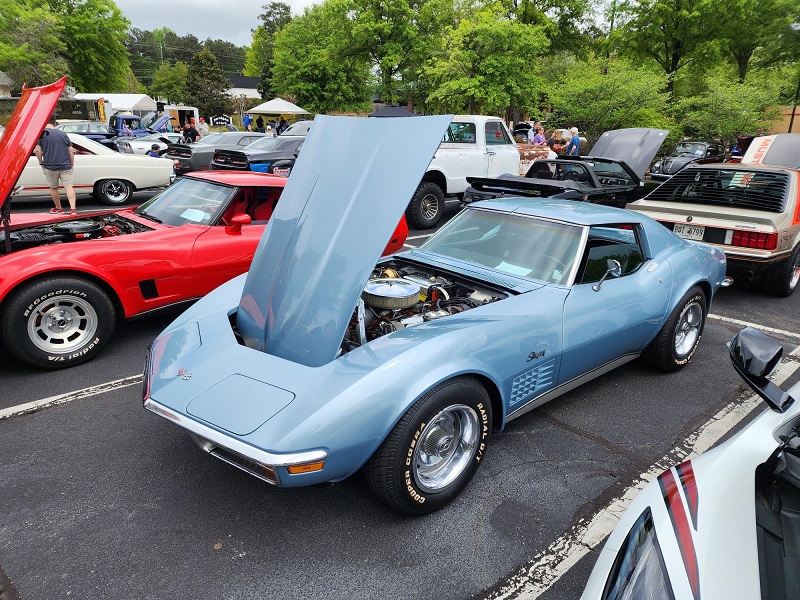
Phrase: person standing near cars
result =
(556, 141)
(203, 127)
(574, 143)
(260, 124)
(190, 134)
(57, 158)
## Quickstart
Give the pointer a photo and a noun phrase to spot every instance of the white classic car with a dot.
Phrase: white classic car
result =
(143, 144)
(110, 176)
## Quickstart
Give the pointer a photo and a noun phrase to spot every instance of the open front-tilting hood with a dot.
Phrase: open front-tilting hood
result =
(23, 131)
(347, 191)
(635, 146)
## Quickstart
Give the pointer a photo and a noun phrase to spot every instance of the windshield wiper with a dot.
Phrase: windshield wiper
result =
(142, 213)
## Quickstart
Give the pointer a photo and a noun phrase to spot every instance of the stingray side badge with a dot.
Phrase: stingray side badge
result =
(184, 374)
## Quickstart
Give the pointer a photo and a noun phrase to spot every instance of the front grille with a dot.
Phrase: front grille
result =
(737, 188)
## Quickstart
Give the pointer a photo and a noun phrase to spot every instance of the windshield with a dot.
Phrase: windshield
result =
(212, 138)
(187, 201)
(685, 149)
(268, 143)
(518, 245)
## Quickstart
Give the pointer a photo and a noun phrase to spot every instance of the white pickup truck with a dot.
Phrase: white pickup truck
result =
(473, 146)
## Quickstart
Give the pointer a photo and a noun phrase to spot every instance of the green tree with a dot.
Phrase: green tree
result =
(754, 24)
(673, 33)
(93, 33)
(313, 64)
(727, 108)
(169, 82)
(144, 53)
(600, 95)
(394, 35)
(486, 65)
(568, 23)
(31, 46)
(206, 84)
(230, 56)
(259, 56)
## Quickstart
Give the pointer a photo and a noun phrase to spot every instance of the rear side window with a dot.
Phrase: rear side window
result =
(496, 134)
(741, 188)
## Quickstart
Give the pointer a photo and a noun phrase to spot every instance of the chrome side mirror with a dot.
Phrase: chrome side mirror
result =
(754, 356)
(614, 269)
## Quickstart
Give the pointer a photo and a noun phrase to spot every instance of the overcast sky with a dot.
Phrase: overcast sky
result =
(229, 20)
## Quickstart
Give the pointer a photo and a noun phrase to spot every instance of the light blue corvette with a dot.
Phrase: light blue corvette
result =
(318, 362)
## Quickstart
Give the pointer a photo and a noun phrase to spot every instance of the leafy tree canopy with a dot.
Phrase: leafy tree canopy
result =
(93, 33)
(601, 95)
(31, 46)
(487, 64)
(169, 82)
(312, 61)
(727, 108)
(206, 84)
(260, 56)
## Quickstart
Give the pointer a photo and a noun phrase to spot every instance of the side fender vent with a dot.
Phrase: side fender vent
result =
(149, 289)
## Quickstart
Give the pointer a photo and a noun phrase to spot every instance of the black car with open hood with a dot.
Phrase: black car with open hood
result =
(613, 173)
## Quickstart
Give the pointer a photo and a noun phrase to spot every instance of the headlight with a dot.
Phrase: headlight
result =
(639, 572)
(656, 167)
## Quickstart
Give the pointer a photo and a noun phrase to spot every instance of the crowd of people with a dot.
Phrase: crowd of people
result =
(271, 127)
(556, 142)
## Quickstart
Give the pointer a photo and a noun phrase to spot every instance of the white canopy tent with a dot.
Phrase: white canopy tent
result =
(277, 106)
(122, 102)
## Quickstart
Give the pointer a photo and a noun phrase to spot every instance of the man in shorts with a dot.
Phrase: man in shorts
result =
(57, 158)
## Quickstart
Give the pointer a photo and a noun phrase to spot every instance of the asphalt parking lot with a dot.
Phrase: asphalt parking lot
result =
(101, 499)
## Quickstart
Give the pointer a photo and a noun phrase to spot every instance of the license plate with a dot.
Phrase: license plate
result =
(690, 232)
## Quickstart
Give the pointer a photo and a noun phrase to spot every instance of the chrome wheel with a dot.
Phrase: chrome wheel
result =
(429, 206)
(115, 191)
(794, 278)
(445, 447)
(62, 324)
(688, 328)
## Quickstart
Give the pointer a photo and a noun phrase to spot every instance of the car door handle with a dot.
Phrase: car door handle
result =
(491, 152)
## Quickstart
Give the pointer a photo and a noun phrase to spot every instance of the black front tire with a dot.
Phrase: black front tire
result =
(784, 279)
(113, 192)
(434, 450)
(426, 208)
(679, 338)
(57, 323)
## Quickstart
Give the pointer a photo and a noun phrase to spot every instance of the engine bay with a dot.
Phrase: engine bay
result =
(102, 226)
(401, 294)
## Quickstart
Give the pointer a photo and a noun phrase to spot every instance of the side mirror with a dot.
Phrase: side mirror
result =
(754, 356)
(239, 219)
(614, 269)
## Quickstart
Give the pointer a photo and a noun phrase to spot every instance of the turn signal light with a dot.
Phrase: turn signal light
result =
(752, 239)
(306, 468)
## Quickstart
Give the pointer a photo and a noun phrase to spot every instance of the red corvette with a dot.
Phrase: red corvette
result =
(65, 281)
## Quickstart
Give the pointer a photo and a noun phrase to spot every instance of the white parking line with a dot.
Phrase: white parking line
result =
(419, 237)
(761, 327)
(547, 567)
(94, 390)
